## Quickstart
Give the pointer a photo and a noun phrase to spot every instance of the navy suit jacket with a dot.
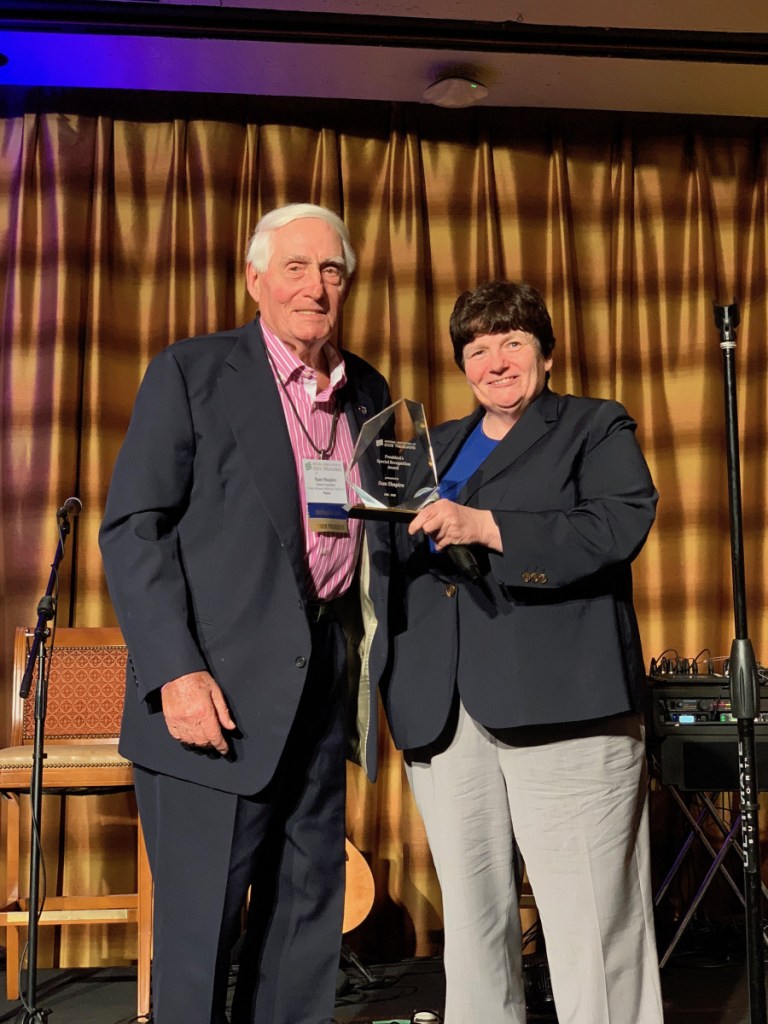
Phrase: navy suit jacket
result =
(549, 632)
(204, 556)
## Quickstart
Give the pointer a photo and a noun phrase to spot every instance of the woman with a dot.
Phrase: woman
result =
(516, 695)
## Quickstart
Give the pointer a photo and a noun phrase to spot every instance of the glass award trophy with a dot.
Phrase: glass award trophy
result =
(397, 468)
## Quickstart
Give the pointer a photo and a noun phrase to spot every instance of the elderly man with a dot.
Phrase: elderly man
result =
(234, 574)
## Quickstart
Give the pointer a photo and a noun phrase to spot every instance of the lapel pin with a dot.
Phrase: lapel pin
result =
(363, 410)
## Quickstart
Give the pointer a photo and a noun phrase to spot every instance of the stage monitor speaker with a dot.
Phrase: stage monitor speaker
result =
(699, 762)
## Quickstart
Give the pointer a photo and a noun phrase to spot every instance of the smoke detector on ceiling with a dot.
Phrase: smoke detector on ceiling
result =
(455, 91)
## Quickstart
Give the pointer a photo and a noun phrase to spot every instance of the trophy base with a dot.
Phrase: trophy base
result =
(388, 515)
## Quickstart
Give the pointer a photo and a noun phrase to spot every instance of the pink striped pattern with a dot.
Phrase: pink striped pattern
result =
(330, 558)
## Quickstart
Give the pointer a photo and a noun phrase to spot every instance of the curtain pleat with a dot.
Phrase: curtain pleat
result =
(123, 230)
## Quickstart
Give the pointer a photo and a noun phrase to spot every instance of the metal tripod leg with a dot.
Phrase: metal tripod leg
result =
(696, 831)
(724, 829)
(716, 865)
(729, 840)
(352, 958)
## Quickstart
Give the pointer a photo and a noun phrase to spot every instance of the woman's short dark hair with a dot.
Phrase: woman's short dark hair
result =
(498, 307)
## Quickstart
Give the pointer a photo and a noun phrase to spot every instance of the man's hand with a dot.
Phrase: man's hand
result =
(448, 523)
(196, 712)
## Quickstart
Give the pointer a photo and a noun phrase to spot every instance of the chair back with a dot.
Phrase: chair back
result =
(86, 683)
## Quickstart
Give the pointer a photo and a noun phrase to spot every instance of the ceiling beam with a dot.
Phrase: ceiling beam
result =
(157, 19)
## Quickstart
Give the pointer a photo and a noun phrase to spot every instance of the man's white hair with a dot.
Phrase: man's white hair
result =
(261, 243)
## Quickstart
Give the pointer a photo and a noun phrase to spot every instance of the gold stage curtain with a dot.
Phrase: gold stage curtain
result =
(123, 221)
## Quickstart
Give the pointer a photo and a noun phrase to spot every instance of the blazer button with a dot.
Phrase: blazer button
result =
(450, 589)
(542, 577)
(526, 577)
(301, 662)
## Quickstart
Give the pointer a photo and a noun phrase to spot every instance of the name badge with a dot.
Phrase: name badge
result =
(326, 491)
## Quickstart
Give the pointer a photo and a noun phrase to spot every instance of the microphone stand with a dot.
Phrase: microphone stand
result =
(38, 656)
(743, 680)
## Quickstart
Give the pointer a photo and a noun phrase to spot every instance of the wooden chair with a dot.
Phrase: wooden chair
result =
(86, 683)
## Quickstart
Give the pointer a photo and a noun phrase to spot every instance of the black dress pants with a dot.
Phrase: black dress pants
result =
(207, 847)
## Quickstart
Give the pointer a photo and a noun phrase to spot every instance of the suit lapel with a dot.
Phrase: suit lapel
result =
(537, 421)
(255, 412)
(446, 444)
(358, 406)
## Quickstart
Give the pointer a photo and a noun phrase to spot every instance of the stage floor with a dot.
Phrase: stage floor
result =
(705, 983)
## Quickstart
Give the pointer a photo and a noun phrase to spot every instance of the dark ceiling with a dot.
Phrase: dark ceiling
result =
(700, 57)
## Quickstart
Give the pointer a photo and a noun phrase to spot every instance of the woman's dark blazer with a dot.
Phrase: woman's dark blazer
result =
(548, 634)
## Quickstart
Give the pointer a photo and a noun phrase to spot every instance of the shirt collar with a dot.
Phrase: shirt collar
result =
(290, 367)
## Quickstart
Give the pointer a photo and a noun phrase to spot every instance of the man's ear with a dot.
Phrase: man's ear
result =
(252, 281)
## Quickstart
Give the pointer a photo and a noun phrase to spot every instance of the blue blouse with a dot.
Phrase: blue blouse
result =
(472, 454)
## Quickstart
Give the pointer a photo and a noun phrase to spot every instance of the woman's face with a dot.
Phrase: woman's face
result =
(506, 372)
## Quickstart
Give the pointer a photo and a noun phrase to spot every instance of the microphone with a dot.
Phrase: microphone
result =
(71, 507)
(464, 560)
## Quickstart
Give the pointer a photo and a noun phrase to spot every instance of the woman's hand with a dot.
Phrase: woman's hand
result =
(448, 523)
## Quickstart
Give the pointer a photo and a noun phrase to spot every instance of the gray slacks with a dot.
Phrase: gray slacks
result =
(574, 800)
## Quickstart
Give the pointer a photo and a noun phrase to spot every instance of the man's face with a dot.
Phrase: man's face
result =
(301, 292)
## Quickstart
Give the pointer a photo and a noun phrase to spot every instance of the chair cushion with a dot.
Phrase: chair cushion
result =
(81, 767)
(66, 755)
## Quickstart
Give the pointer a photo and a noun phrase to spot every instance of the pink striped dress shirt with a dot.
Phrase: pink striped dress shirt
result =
(330, 558)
